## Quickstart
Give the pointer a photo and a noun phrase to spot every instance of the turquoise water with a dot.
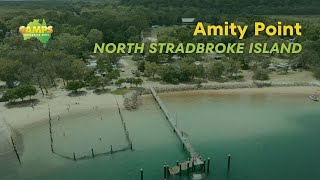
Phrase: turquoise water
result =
(268, 136)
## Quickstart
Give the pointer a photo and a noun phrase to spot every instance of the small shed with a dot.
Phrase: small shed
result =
(188, 21)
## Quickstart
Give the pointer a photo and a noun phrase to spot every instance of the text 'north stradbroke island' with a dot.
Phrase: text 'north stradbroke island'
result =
(227, 29)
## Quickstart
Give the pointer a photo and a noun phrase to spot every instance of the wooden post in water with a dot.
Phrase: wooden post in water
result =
(141, 174)
(208, 167)
(165, 171)
(52, 147)
(204, 166)
(74, 156)
(131, 146)
(229, 161)
(92, 152)
(111, 151)
(188, 168)
(193, 168)
(180, 169)
(15, 150)
(177, 163)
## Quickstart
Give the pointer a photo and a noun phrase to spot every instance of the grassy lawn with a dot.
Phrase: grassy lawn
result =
(121, 91)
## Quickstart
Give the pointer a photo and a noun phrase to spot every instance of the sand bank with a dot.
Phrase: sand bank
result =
(60, 104)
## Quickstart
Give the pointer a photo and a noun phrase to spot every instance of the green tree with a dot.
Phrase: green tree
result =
(104, 66)
(187, 71)
(74, 86)
(25, 74)
(137, 57)
(170, 73)
(132, 34)
(10, 95)
(119, 82)
(114, 74)
(20, 92)
(233, 67)
(94, 36)
(63, 70)
(200, 71)
(215, 70)
(24, 91)
(72, 44)
(78, 69)
(130, 81)
(17, 21)
(105, 81)
(311, 32)
(41, 79)
(30, 90)
(260, 74)
(89, 76)
(150, 69)
(8, 70)
(113, 58)
(138, 82)
(307, 59)
(96, 82)
(3, 30)
(142, 66)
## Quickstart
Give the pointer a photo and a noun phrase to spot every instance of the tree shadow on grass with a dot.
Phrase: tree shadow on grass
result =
(101, 91)
(21, 104)
(78, 93)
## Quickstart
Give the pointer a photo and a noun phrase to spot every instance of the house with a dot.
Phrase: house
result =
(197, 63)
(3, 84)
(92, 64)
(188, 21)
(291, 40)
(218, 56)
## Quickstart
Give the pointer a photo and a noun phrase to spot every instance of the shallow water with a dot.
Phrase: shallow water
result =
(268, 136)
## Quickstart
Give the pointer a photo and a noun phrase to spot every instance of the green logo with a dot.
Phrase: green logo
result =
(37, 30)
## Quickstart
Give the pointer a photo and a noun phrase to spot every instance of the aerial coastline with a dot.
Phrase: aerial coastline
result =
(61, 104)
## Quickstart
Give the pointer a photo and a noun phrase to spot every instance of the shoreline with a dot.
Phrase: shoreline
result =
(232, 85)
(24, 118)
(279, 91)
(305, 88)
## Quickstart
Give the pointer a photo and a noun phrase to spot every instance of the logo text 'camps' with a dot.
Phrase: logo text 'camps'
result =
(37, 30)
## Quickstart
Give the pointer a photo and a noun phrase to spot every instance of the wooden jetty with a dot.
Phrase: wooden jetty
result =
(184, 166)
(195, 158)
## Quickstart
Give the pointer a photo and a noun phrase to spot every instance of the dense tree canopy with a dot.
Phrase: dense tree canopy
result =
(78, 25)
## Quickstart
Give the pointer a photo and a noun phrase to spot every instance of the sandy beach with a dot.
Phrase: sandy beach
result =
(61, 104)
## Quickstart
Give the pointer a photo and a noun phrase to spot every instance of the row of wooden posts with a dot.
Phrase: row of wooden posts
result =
(93, 154)
(205, 168)
(50, 130)
(124, 126)
(130, 146)
(15, 150)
